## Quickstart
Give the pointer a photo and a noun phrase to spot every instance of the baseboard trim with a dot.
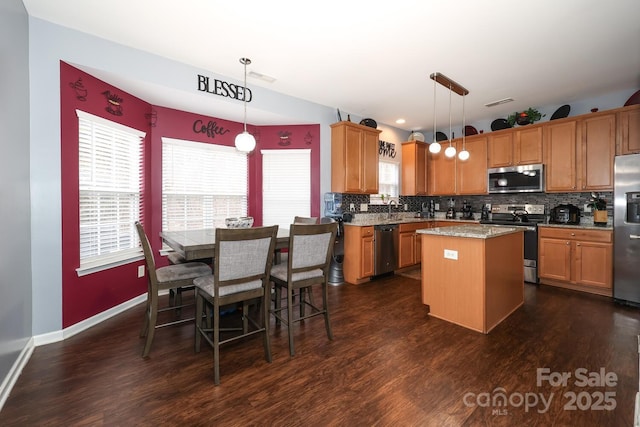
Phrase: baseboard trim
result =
(15, 371)
(50, 337)
(72, 330)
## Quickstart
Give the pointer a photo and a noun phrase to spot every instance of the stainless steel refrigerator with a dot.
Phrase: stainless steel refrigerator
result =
(626, 229)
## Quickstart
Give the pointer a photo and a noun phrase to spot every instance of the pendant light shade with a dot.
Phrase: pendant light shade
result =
(245, 142)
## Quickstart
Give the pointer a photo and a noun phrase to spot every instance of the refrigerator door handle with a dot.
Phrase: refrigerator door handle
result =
(634, 236)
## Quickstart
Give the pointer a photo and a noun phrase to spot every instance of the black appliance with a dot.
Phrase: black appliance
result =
(484, 213)
(516, 179)
(385, 248)
(565, 214)
(451, 213)
(527, 217)
(467, 210)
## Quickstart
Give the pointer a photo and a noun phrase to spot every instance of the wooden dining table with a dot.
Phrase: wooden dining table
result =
(198, 244)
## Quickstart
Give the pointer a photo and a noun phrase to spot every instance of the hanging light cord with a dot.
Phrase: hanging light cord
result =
(464, 130)
(245, 61)
(434, 111)
(450, 134)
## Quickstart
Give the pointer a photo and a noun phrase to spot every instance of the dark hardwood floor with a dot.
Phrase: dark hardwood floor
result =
(389, 364)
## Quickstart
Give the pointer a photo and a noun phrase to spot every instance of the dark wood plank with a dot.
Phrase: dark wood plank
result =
(389, 364)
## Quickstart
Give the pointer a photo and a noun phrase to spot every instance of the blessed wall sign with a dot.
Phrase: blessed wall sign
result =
(222, 88)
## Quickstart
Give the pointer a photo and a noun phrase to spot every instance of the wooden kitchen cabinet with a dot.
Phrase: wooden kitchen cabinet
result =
(576, 258)
(513, 147)
(441, 170)
(560, 156)
(354, 158)
(414, 168)
(596, 152)
(628, 130)
(471, 174)
(358, 265)
(409, 243)
(452, 176)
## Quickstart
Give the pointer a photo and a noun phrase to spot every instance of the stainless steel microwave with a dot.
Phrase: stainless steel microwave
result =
(516, 179)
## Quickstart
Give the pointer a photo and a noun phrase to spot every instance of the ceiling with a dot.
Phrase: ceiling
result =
(375, 61)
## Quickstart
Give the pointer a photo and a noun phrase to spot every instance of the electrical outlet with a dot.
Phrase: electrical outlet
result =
(140, 271)
(587, 207)
(450, 254)
(437, 206)
(406, 206)
(364, 207)
(352, 207)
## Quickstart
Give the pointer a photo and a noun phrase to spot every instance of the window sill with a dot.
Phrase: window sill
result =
(107, 265)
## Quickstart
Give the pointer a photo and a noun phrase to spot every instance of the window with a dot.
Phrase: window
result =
(110, 183)
(202, 184)
(388, 176)
(286, 186)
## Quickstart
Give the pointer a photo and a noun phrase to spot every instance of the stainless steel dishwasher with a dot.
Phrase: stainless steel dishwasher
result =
(386, 248)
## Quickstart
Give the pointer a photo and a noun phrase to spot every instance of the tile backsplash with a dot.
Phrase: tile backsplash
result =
(550, 200)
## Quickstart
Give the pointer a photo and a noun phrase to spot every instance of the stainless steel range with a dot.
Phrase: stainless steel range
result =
(528, 217)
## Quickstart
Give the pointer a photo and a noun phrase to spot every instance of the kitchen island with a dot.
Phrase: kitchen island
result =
(472, 275)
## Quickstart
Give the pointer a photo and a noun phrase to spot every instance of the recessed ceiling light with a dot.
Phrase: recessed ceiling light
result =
(498, 102)
(261, 77)
(400, 121)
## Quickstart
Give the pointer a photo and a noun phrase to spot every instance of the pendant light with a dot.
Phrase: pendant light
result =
(451, 150)
(464, 154)
(435, 146)
(245, 142)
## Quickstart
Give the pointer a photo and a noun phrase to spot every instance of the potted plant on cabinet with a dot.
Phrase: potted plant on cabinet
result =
(530, 115)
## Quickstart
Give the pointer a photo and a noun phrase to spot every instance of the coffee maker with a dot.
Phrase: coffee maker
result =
(467, 210)
(451, 212)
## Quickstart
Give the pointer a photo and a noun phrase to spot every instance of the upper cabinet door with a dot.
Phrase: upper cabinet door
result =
(472, 173)
(414, 168)
(500, 150)
(560, 156)
(598, 134)
(527, 145)
(354, 158)
(628, 130)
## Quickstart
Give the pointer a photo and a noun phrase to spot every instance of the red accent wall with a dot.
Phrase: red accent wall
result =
(86, 296)
(83, 297)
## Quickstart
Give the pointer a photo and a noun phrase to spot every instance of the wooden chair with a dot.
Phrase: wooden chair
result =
(170, 277)
(310, 249)
(242, 262)
(305, 220)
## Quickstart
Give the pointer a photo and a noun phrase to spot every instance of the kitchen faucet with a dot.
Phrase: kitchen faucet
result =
(390, 203)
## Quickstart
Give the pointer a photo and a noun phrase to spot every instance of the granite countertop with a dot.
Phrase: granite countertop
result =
(471, 231)
(583, 225)
(364, 220)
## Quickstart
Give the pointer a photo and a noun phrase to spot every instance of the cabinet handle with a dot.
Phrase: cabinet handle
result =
(577, 244)
(573, 234)
(568, 243)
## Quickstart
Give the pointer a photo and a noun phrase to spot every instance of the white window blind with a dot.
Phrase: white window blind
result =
(388, 178)
(286, 186)
(202, 184)
(110, 183)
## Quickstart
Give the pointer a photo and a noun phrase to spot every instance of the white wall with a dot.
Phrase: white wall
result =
(15, 258)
